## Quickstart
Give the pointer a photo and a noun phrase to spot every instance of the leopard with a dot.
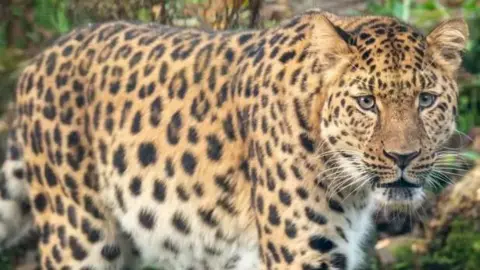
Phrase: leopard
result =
(144, 144)
(16, 220)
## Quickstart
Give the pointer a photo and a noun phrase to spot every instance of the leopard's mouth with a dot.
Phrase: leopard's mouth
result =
(400, 183)
(399, 192)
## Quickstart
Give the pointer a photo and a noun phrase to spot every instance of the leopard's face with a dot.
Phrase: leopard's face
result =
(389, 115)
(391, 137)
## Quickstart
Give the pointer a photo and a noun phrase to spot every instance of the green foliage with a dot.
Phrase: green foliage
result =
(144, 15)
(405, 258)
(459, 251)
(399, 9)
(469, 103)
(49, 18)
(52, 15)
(471, 11)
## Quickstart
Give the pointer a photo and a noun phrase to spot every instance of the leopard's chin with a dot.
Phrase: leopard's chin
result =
(398, 198)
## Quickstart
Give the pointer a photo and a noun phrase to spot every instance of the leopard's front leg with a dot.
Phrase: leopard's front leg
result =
(300, 226)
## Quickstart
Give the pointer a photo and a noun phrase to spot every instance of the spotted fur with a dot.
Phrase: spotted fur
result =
(231, 150)
(16, 220)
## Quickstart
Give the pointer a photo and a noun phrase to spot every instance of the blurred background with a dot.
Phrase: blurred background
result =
(443, 234)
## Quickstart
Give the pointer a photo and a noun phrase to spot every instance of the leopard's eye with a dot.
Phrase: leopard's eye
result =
(426, 100)
(366, 102)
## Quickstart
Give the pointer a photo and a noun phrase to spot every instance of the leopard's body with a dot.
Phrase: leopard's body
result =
(231, 150)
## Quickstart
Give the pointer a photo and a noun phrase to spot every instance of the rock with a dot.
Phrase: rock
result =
(461, 200)
(387, 249)
(453, 233)
(474, 134)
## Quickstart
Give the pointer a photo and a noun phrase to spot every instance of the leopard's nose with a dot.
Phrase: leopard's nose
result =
(401, 159)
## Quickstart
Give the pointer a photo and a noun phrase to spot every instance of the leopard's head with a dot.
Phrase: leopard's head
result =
(390, 103)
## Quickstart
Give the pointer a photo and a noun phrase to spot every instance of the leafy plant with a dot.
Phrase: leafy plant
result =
(471, 11)
(460, 251)
(53, 15)
(399, 9)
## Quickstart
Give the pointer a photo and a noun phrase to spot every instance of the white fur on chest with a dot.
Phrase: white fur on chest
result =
(200, 249)
(362, 223)
(191, 255)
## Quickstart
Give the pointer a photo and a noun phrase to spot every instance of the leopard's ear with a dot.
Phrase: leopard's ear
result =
(447, 42)
(329, 43)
